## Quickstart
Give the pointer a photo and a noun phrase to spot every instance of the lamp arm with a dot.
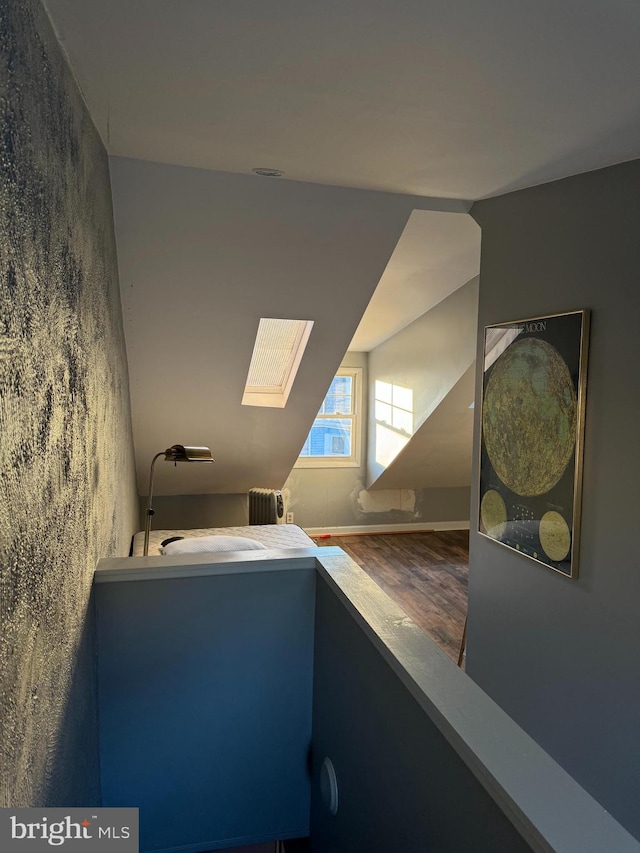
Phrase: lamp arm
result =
(149, 512)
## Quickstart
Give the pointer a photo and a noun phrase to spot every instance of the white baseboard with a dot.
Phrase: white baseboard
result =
(412, 527)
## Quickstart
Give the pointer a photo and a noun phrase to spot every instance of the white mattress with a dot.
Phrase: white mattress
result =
(271, 535)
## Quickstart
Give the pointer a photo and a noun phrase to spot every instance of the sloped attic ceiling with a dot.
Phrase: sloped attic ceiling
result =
(428, 369)
(203, 255)
(435, 256)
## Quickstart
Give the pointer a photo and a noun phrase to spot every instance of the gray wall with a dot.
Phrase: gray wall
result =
(306, 657)
(400, 785)
(428, 357)
(562, 656)
(67, 493)
(217, 670)
(332, 498)
(217, 252)
(326, 497)
(321, 497)
(194, 511)
(337, 497)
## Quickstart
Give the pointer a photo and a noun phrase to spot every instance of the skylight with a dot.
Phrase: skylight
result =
(277, 353)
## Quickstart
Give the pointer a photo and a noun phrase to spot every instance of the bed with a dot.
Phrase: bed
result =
(270, 535)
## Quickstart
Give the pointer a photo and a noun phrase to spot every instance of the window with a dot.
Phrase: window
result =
(277, 353)
(334, 439)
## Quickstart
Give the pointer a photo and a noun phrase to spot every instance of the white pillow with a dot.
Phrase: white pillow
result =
(212, 544)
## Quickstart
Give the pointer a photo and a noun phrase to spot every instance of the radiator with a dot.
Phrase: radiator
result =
(266, 506)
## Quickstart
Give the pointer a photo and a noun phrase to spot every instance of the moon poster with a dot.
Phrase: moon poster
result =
(533, 397)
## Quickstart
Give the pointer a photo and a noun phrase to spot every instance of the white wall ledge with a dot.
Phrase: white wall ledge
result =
(547, 806)
(123, 569)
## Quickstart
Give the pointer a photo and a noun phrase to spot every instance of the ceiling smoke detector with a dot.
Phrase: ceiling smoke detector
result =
(268, 173)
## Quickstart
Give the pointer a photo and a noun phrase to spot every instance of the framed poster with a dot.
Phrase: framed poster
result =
(532, 425)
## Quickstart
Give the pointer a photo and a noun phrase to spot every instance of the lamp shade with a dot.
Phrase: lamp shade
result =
(183, 453)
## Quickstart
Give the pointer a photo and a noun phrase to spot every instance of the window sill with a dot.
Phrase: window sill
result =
(326, 462)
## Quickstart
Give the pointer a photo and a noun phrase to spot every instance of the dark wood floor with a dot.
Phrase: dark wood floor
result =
(425, 573)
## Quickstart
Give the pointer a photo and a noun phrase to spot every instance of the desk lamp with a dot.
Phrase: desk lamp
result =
(176, 453)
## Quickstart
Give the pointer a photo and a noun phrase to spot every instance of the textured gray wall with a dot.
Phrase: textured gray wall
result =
(66, 458)
(562, 656)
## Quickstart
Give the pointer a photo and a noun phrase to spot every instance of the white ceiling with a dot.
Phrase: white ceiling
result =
(455, 100)
(460, 99)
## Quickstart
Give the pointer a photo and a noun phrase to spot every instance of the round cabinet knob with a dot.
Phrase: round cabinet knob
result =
(329, 786)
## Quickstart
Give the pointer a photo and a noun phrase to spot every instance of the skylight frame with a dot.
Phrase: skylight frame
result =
(271, 354)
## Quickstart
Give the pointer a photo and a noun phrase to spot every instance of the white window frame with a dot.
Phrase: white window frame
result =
(352, 461)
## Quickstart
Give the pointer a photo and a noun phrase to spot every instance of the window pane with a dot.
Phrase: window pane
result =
(306, 447)
(339, 399)
(329, 437)
(334, 404)
(341, 385)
